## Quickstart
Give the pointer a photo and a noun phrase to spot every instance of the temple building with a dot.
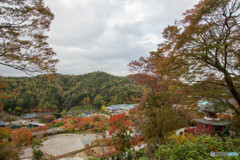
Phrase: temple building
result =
(211, 116)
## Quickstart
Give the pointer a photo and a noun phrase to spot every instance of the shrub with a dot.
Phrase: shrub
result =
(57, 115)
(199, 149)
(57, 123)
(49, 118)
(7, 149)
(180, 139)
(40, 128)
(37, 155)
(22, 136)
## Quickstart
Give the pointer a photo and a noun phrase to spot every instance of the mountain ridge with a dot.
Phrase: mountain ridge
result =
(66, 91)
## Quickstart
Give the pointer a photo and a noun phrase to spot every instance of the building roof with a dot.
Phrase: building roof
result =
(124, 108)
(210, 106)
(2, 123)
(112, 108)
(87, 115)
(120, 112)
(212, 122)
(121, 106)
(82, 114)
(115, 107)
(130, 106)
(43, 114)
(36, 115)
(207, 107)
(127, 107)
(29, 115)
(203, 103)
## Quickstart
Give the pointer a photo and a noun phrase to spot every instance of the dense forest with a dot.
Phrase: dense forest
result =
(41, 93)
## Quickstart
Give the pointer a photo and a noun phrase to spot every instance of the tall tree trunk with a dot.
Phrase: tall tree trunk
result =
(232, 89)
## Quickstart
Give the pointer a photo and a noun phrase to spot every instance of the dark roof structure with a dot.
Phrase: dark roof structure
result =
(212, 122)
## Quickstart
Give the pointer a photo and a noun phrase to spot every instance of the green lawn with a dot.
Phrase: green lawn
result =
(81, 109)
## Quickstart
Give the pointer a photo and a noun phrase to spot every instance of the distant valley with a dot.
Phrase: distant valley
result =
(64, 92)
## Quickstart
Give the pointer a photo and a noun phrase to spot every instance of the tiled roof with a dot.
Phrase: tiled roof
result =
(212, 122)
(121, 106)
(207, 106)
(203, 103)
(29, 115)
(211, 107)
(115, 107)
(87, 115)
(2, 123)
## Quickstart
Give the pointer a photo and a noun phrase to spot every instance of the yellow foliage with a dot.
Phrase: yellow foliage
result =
(180, 139)
(103, 108)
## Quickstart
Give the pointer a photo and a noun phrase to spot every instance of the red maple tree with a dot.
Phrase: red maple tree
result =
(40, 128)
(121, 130)
(22, 136)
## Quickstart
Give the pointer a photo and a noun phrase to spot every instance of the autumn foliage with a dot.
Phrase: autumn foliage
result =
(122, 133)
(49, 118)
(22, 136)
(40, 128)
(118, 123)
(120, 138)
(200, 129)
(7, 149)
(94, 123)
(23, 39)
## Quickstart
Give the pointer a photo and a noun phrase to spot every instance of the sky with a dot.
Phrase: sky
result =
(106, 35)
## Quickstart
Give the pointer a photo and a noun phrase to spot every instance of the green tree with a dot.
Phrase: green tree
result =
(37, 153)
(86, 100)
(17, 110)
(103, 108)
(202, 49)
(23, 44)
(199, 148)
(159, 105)
(97, 101)
(3, 94)
(35, 144)
(39, 94)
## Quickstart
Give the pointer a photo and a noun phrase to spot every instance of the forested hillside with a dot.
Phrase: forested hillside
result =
(66, 91)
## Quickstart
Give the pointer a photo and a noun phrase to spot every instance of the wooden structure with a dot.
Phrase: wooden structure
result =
(211, 116)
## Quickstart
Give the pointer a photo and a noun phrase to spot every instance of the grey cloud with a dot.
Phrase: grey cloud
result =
(7, 71)
(103, 35)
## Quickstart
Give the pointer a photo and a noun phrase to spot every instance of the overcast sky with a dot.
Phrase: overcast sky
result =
(105, 35)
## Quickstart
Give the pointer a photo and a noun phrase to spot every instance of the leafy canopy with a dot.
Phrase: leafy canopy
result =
(23, 43)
